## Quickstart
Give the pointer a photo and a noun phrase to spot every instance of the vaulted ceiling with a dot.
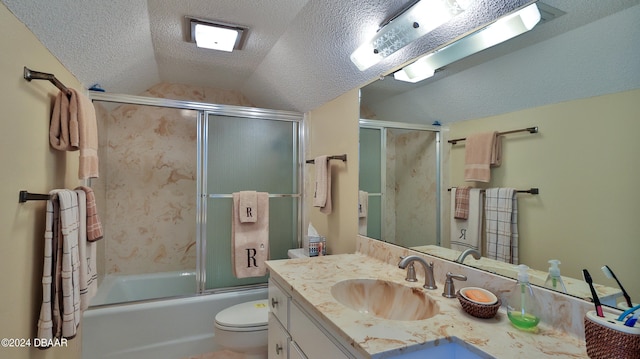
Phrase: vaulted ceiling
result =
(296, 56)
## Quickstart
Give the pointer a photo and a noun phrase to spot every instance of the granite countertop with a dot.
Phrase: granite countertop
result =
(310, 281)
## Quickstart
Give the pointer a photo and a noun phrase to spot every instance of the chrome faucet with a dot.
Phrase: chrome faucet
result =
(429, 281)
(464, 254)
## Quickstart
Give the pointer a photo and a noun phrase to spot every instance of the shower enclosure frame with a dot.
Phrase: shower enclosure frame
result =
(382, 126)
(203, 111)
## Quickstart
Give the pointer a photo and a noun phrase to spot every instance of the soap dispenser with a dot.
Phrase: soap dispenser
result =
(554, 280)
(522, 308)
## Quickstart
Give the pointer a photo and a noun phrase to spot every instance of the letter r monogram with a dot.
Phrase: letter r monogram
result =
(251, 257)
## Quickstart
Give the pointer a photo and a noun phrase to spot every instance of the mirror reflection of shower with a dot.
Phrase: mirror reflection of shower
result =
(400, 177)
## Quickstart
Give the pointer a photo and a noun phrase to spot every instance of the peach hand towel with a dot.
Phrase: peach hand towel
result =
(82, 112)
(73, 127)
(61, 132)
(482, 151)
(94, 225)
(250, 241)
(461, 196)
(248, 207)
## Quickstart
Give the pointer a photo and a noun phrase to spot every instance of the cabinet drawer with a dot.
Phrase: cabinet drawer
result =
(278, 339)
(279, 303)
(313, 341)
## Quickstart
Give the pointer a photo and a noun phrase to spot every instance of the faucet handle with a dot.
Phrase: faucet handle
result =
(411, 271)
(449, 287)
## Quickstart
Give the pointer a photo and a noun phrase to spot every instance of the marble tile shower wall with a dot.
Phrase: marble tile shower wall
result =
(147, 187)
(411, 182)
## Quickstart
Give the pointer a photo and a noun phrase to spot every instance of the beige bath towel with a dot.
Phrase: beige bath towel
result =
(482, 151)
(467, 233)
(247, 208)
(81, 107)
(73, 127)
(322, 193)
(250, 241)
(363, 204)
(363, 212)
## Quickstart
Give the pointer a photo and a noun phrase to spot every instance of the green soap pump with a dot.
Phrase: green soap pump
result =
(554, 280)
(522, 308)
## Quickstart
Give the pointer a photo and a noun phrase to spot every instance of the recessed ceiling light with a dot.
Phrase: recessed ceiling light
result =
(215, 35)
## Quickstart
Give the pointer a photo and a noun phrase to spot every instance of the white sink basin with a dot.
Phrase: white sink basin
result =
(385, 299)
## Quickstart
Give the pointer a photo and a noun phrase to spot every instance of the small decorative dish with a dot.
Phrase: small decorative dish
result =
(479, 308)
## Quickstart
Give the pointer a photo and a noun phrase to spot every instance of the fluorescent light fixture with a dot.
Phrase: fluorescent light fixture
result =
(502, 30)
(418, 20)
(217, 36)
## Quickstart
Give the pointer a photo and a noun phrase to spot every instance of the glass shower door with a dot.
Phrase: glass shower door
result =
(248, 154)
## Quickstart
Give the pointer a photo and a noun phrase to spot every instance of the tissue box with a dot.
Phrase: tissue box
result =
(315, 245)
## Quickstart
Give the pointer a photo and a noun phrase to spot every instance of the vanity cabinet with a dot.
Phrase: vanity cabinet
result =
(294, 333)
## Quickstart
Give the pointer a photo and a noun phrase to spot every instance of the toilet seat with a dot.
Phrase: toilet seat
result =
(244, 317)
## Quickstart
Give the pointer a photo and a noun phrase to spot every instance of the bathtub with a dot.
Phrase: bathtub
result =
(172, 328)
(130, 288)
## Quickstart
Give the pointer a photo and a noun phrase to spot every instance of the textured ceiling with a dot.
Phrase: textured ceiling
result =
(572, 15)
(296, 56)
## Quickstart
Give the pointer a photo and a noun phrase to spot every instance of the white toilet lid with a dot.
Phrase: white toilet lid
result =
(244, 315)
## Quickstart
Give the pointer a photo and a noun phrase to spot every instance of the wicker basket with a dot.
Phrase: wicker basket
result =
(484, 311)
(607, 343)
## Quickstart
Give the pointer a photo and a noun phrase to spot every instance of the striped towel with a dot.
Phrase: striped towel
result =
(501, 222)
(462, 203)
(94, 226)
(70, 274)
(45, 322)
(87, 252)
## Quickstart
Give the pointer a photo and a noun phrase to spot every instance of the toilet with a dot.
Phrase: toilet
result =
(242, 328)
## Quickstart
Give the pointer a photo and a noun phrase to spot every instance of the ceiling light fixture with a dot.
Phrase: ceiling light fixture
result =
(216, 35)
(502, 30)
(420, 18)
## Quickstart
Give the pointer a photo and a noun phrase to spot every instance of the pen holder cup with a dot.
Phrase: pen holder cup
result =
(607, 338)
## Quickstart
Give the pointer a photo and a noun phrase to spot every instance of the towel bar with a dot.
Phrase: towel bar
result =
(531, 190)
(343, 158)
(37, 75)
(528, 129)
(25, 196)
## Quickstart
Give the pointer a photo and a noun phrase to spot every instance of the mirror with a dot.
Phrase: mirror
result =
(398, 161)
(575, 77)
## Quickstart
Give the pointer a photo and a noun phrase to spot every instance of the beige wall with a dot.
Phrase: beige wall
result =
(27, 163)
(585, 162)
(332, 129)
